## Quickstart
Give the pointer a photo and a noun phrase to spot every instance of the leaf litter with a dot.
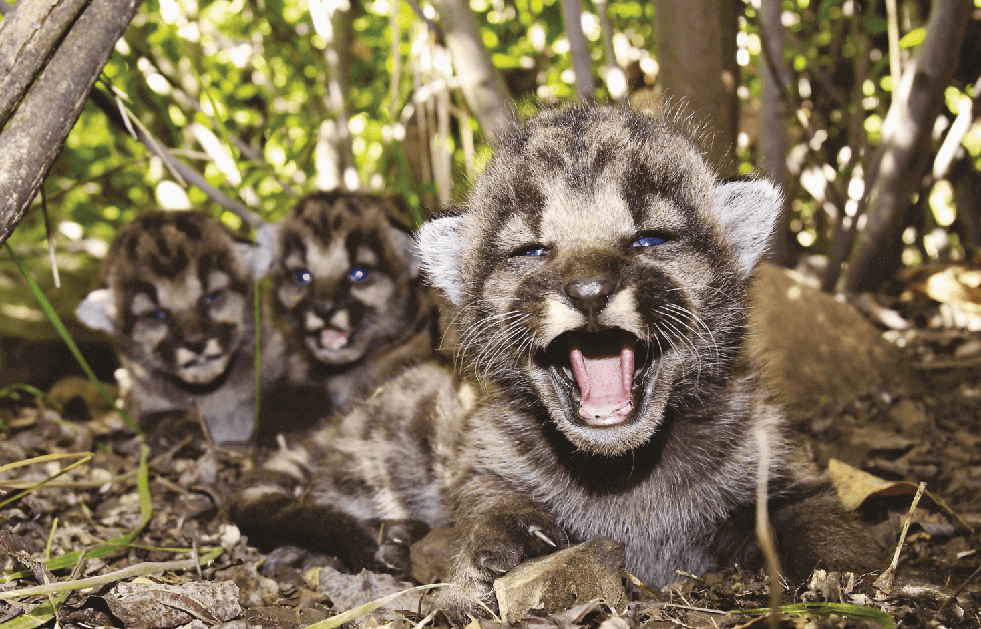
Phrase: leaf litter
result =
(127, 534)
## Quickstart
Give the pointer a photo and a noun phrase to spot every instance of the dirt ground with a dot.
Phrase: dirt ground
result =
(157, 551)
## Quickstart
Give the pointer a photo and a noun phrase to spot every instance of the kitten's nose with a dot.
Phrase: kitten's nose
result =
(590, 295)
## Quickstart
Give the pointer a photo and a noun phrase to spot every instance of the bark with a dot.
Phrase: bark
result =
(582, 62)
(903, 156)
(28, 38)
(774, 115)
(482, 84)
(696, 52)
(36, 132)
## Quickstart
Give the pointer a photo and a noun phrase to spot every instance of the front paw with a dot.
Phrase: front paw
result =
(488, 551)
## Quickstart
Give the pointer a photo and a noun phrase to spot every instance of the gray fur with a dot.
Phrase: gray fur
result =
(440, 242)
(749, 211)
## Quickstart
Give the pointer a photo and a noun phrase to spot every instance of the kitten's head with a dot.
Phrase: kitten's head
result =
(600, 268)
(177, 296)
(345, 275)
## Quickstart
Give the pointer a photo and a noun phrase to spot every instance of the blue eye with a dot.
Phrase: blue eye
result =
(159, 315)
(648, 241)
(531, 252)
(302, 276)
(357, 274)
(211, 298)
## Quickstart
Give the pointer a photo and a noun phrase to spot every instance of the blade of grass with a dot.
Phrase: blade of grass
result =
(85, 458)
(146, 512)
(66, 337)
(823, 610)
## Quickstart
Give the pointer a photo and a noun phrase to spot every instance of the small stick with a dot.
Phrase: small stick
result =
(764, 533)
(884, 582)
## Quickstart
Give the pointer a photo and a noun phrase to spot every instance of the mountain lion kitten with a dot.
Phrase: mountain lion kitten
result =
(177, 297)
(598, 272)
(347, 283)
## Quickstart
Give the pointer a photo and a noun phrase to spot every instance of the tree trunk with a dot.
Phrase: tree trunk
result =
(774, 115)
(482, 84)
(582, 62)
(334, 153)
(36, 132)
(28, 38)
(903, 157)
(696, 42)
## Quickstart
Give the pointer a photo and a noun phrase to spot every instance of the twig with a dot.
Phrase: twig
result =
(960, 589)
(884, 582)
(51, 247)
(140, 569)
(764, 533)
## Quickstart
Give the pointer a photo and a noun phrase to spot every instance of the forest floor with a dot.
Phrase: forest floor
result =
(159, 551)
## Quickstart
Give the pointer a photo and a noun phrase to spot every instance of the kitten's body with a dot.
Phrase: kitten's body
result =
(598, 273)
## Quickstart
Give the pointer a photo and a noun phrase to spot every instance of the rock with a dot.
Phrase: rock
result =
(815, 347)
(348, 591)
(911, 417)
(432, 556)
(558, 581)
(254, 590)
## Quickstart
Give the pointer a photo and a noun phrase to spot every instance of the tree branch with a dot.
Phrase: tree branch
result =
(483, 85)
(28, 38)
(582, 62)
(899, 163)
(36, 132)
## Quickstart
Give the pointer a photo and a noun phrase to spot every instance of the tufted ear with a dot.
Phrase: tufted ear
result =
(405, 248)
(440, 243)
(259, 256)
(98, 310)
(749, 211)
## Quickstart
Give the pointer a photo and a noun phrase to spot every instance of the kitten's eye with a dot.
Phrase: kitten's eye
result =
(158, 315)
(357, 274)
(649, 241)
(302, 276)
(212, 297)
(531, 251)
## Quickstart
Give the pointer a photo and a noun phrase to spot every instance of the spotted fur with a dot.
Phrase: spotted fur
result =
(598, 272)
(346, 282)
(177, 297)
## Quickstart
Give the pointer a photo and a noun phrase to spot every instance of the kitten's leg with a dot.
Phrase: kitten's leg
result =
(269, 512)
(813, 530)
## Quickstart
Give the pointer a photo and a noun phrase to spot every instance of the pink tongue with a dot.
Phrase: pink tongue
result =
(333, 339)
(605, 383)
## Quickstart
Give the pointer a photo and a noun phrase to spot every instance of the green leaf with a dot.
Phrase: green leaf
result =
(913, 38)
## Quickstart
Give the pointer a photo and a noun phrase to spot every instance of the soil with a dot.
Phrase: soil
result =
(188, 566)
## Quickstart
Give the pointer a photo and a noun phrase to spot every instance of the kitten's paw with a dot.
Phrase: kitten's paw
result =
(488, 551)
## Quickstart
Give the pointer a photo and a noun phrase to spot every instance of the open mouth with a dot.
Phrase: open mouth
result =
(204, 369)
(599, 374)
(333, 339)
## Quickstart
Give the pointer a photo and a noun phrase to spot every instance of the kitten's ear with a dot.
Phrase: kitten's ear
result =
(405, 248)
(98, 310)
(258, 257)
(749, 211)
(440, 242)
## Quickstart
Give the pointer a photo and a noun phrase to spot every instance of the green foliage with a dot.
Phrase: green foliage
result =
(239, 89)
